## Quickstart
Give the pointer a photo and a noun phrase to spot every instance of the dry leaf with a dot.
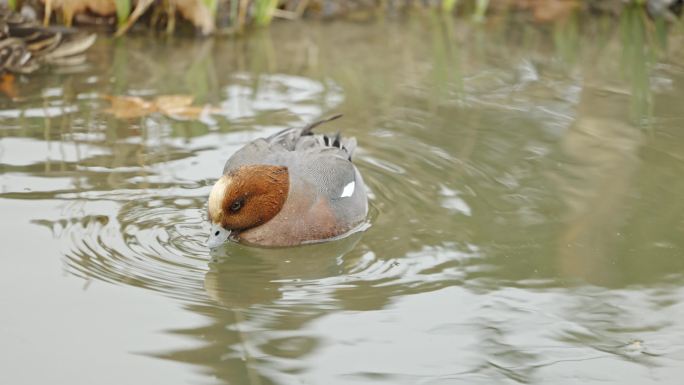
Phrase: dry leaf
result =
(129, 107)
(193, 112)
(71, 7)
(175, 106)
(198, 13)
(172, 104)
(7, 86)
(553, 10)
(545, 11)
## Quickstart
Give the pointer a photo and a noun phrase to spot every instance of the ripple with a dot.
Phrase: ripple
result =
(248, 95)
(144, 241)
(45, 112)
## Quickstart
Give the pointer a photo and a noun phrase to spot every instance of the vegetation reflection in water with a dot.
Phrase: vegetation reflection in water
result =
(525, 181)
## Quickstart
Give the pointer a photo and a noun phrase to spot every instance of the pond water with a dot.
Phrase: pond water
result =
(527, 219)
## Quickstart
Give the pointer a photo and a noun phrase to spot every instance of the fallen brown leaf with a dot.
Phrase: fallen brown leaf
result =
(198, 13)
(7, 86)
(129, 107)
(170, 104)
(552, 10)
(546, 11)
(193, 112)
(70, 8)
(174, 106)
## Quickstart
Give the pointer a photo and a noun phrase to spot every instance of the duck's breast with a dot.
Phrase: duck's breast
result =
(322, 203)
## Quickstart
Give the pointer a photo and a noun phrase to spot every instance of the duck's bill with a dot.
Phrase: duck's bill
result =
(217, 236)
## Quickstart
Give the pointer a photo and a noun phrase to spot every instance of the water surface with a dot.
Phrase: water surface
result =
(527, 219)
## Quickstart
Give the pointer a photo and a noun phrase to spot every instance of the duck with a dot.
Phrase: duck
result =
(291, 188)
(25, 45)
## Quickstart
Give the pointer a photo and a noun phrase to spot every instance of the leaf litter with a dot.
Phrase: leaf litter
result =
(173, 106)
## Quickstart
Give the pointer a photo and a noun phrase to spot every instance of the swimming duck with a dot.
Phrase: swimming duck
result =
(291, 188)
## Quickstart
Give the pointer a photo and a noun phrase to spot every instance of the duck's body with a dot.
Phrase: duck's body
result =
(291, 188)
(25, 45)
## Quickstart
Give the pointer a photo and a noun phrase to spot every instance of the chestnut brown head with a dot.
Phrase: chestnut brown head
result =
(248, 197)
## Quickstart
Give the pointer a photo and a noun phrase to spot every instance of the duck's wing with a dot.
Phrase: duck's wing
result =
(280, 148)
(304, 139)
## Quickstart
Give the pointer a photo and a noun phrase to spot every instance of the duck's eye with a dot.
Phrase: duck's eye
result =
(236, 206)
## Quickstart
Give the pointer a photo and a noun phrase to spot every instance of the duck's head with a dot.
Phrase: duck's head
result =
(246, 197)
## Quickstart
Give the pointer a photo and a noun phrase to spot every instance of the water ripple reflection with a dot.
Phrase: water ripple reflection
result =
(150, 242)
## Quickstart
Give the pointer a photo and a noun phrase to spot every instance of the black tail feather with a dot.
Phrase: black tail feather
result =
(309, 128)
(337, 140)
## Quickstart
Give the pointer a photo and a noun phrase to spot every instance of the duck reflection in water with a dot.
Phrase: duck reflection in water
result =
(261, 298)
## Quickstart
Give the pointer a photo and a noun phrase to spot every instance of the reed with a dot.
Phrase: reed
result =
(263, 11)
(235, 16)
(212, 5)
(123, 11)
(480, 9)
(449, 5)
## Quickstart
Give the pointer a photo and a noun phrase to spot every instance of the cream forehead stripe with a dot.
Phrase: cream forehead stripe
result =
(218, 192)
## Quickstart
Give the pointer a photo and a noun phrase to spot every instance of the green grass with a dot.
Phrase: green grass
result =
(123, 11)
(263, 11)
(212, 5)
(480, 9)
(449, 5)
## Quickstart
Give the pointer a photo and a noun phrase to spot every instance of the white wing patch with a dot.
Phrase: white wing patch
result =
(348, 190)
